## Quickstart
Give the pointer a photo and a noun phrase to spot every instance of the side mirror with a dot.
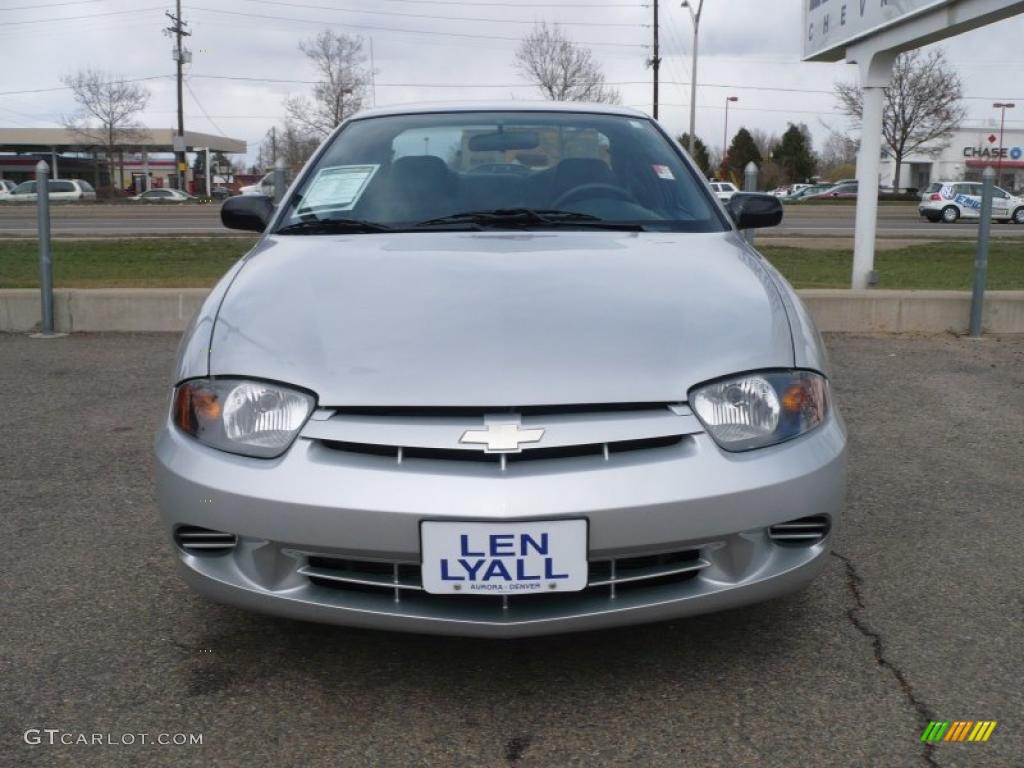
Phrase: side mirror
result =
(751, 210)
(249, 212)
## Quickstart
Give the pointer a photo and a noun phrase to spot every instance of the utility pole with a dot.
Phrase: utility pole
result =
(177, 29)
(695, 18)
(273, 144)
(656, 60)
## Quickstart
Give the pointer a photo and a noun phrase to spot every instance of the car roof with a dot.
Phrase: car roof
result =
(501, 106)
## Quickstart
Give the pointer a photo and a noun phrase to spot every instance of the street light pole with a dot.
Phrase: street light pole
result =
(695, 18)
(725, 133)
(1002, 126)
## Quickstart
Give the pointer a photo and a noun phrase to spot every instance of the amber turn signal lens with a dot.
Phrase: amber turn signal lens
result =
(794, 398)
(194, 405)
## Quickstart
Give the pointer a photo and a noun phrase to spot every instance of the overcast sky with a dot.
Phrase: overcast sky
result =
(747, 48)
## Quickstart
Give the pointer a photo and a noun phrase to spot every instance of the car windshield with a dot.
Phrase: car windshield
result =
(483, 170)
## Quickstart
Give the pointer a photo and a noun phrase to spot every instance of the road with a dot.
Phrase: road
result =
(128, 220)
(917, 617)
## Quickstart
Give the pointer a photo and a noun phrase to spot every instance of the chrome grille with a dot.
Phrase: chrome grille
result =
(598, 432)
(804, 530)
(599, 450)
(198, 540)
(398, 581)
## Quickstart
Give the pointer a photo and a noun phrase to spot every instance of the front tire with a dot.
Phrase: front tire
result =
(950, 214)
(1018, 216)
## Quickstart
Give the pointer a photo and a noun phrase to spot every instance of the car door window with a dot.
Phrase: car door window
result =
(61, 186)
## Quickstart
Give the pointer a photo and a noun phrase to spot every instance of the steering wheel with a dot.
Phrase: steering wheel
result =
(586, 191)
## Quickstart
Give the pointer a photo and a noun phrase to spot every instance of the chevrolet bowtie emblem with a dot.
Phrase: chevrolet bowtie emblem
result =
(501, 438)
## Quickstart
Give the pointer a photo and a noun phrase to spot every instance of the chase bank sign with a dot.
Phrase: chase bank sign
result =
(993, 153)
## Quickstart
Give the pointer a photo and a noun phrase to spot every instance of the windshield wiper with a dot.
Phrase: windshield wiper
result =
(332, 227)
(529, 217)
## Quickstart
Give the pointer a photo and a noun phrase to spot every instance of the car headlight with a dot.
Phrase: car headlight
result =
(252, 418)
(760, 409)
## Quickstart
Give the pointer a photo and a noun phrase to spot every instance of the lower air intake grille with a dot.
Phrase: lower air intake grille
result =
(203, 541)
(805, 530)
(402, 581)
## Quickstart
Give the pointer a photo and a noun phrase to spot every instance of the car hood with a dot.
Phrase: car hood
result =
(500, 318)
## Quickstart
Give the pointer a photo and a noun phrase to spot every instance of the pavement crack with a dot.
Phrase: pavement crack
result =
(854, 581)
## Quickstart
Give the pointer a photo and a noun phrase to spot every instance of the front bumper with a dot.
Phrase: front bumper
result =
(313, 502)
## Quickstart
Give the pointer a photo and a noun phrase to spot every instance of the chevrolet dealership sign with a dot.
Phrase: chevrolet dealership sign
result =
(831, 25)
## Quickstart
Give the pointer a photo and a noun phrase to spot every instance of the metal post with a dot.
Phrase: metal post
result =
(981, 260)
(868, 166)
(875, 75)
(695, 18)
(45, 254)
(209, 193)
(655, 61)
(750, 185)
(278, 180)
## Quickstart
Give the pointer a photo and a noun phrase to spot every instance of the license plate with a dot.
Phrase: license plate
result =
(504, 558)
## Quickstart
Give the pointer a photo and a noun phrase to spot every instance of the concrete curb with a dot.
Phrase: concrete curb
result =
(842, 311)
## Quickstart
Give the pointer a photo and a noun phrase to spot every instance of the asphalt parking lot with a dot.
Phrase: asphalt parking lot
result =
(919, 616)
(123, 220)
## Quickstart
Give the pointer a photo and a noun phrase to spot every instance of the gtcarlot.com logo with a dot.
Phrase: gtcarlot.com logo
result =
(57, 737)
(958, 730)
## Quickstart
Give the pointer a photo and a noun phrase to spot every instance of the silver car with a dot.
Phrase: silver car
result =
(440, 398)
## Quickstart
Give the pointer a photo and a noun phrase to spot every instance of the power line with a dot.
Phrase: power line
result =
(338, 9)
(68, 87)
(322, 22)
(203, 110)
(520, 5)
(87, 16)
(51, 5)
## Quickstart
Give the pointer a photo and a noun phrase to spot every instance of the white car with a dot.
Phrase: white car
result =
(949, 201)
(162, 196)
(6, 187)
(264, 186)
(60, 189)
(723, 190)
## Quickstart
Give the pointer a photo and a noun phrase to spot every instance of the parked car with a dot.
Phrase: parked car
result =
(163, 196)
(807, 192)
(221, 193)
(949, 201)
(724, 190)
(443, 401)
(264, 186)
(845, 191)
(59, 189)
(6, 187)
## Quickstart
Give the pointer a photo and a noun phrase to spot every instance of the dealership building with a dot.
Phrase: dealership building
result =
(969, 152)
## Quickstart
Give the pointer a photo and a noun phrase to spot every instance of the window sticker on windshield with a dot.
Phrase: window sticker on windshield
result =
(337, 188)
(663, 171)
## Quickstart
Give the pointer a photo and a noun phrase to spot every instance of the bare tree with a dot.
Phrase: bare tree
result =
(922, 106)
(561, 69)
(290, 142)
(838, 155)
(342, 86)
(108, 110)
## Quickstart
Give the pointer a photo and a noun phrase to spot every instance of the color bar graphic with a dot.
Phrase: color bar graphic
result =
(958, 730)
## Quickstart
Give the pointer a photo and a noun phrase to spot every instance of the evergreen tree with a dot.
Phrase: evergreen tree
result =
(743, 150)
(700, 153)
(794, 154)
